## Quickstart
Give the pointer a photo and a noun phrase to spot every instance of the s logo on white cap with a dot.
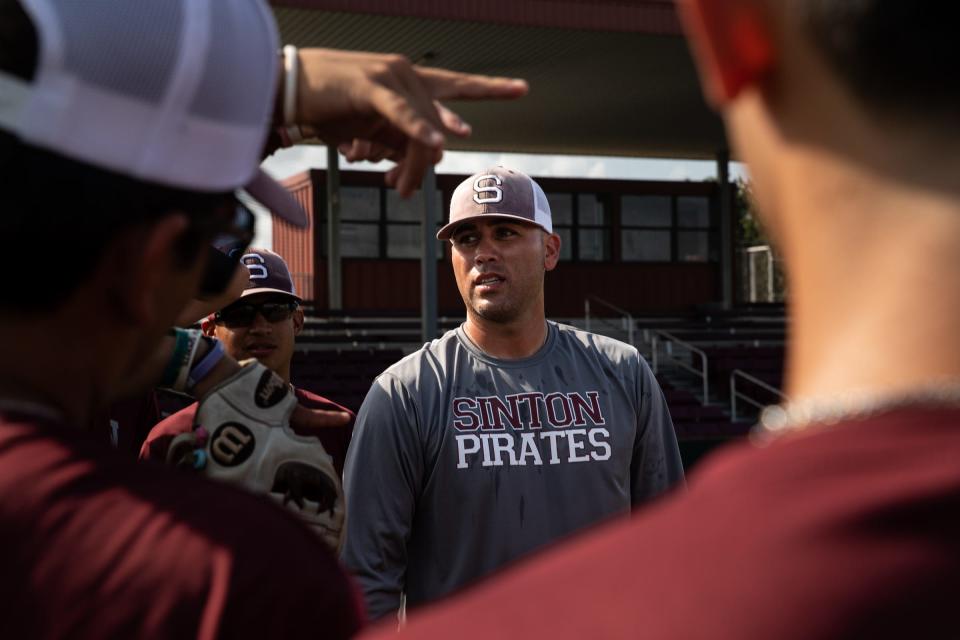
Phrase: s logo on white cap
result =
(494, 189)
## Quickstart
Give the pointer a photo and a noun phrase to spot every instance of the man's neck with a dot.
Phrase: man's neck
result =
(874, 277)
(513, 340)
(37, 366)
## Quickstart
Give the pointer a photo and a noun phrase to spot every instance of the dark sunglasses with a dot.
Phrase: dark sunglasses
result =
(226, 250)
(242, 315)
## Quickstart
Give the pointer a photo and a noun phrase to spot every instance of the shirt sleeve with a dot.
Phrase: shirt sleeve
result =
(656, 464)
(158, 440)
(382, 481)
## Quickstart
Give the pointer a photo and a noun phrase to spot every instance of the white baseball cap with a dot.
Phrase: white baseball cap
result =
(174, 92)
(498, 192)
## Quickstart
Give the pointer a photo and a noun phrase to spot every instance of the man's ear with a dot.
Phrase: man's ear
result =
(141, 266)
(551, 255)
(297, 321)
(208, 327)
(733, 45)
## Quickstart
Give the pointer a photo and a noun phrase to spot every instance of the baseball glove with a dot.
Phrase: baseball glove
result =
(242, 436)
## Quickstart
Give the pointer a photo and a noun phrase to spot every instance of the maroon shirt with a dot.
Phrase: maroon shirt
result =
(94, 544)
(334, 439)
(848, 532)
(126, 423)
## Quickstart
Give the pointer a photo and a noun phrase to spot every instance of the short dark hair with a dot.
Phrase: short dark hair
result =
(894, 55)
(66, 213)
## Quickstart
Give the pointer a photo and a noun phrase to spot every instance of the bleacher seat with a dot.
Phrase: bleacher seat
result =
(342, 375)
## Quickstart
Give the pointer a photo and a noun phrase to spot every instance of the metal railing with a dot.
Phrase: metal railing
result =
(626, 317)
(669, 341)
(735, 395)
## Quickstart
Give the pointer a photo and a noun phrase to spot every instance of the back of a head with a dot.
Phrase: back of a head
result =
(897, 57)
(116, 113)
(51, 213)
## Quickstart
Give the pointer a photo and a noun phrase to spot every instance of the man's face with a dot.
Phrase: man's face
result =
(499, 265)
(271, 343)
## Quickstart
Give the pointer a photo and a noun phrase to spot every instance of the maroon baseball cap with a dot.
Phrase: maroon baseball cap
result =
(268, 274)
(500, 192)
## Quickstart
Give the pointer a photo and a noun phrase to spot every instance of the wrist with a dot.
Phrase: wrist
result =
(204, 364)
(224, 368)
(291, 81)
(185, 345)
(287, 129)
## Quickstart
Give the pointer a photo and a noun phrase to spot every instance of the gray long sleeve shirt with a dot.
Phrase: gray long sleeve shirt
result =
(461, 463)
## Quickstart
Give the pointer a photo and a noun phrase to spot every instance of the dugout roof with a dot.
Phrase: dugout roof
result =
(607, 77)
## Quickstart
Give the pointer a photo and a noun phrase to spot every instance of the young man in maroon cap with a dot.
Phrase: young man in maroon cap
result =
(263, 324)
(841, 519)
(505, 434)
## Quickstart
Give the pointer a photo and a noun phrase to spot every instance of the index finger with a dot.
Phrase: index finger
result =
(444, 84)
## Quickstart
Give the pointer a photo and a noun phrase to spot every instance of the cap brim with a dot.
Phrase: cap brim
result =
(251, 292)
(271, 194)
(447, 230)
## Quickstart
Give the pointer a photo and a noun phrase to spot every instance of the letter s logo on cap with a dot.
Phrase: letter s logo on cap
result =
(495, 190)
(256, 265)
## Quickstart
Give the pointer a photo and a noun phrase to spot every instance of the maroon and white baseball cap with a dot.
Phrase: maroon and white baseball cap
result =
(178, 93)
(500, 192)
(268, 274)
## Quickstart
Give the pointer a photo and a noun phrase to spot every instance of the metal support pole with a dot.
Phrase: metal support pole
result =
(428, 264)
(334, 274)
(706, 383)
(769, 252)
(733, 398)
(726, 227)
